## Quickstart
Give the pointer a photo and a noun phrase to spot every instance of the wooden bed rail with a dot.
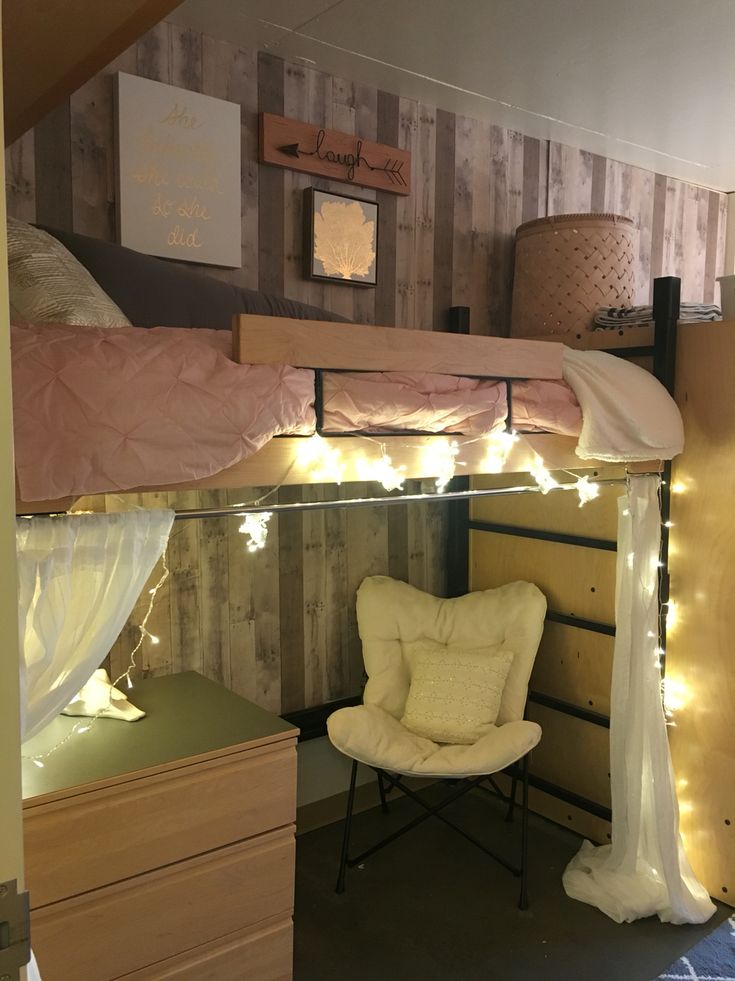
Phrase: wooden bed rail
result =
(278, 463)
(320, 344)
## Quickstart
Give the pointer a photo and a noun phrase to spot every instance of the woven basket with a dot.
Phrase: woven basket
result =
(566, 267)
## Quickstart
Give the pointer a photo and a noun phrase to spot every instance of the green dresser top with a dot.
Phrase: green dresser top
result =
(186, 716)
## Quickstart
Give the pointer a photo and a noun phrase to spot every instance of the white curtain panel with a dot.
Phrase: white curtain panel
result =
(79, 578)
(645, 870)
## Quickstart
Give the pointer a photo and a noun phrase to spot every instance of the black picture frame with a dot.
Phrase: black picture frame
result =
(315, 267)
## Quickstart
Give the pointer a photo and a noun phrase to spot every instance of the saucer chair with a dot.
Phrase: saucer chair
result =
(445, 699)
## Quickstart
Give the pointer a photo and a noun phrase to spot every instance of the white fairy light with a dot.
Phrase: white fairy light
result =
(676, 695)
(255, 526)
(587, 490)
(324, 461)
(440, 458)
(497, 451)
(143, 631)
(541, 475)
(382, 470)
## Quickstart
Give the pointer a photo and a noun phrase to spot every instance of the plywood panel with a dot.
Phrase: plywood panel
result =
(700, 644)
(576, 581)
(572, 754)
(557, 511)
(576, 666)
(587, 825)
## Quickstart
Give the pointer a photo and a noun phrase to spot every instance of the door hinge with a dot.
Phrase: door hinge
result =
(15, 931)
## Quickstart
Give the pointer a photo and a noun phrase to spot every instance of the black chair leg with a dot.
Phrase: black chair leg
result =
(523, 901)
(346, 836)
(381, 788)
(511, 799)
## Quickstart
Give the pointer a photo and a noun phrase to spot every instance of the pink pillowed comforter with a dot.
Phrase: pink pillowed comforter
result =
(98, 409)
(432, 403)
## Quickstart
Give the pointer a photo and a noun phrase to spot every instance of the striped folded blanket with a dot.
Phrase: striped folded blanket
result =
(607, 318)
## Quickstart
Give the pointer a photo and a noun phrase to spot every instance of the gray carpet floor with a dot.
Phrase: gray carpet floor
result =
(431, 907)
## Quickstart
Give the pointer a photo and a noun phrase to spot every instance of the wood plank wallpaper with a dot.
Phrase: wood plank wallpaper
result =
(279, 626)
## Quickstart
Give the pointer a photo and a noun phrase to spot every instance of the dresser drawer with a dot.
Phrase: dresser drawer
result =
(95, 838)
(262, 954)
(125, 927)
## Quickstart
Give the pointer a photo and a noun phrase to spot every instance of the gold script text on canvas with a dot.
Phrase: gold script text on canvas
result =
(188, 240)
(180, 117)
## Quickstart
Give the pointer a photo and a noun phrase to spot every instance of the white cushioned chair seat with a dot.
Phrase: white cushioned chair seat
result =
(371, 735)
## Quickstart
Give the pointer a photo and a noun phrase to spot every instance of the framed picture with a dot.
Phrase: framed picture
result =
(341, 238)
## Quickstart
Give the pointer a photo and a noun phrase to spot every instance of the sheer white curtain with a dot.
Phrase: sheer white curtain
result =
(79, 577)
(645, 870)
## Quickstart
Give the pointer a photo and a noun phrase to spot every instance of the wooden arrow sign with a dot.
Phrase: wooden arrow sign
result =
(337, 156)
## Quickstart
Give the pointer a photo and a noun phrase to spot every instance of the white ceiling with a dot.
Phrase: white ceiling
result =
(649, 82)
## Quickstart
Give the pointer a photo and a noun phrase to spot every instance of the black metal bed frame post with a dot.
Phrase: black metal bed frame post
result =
(666, 307)
(458, 512)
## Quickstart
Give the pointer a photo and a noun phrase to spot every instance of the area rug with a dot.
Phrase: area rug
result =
(712, 959)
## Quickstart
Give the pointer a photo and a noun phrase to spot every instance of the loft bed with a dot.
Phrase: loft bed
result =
(331, 349)
(509, 374)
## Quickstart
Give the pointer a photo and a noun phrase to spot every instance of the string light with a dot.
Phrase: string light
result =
(323, 461)
(675, 694)
(587, 490)
(440, 458)
(382, 470)
(255, 526)
(497, 450)
(541, 475)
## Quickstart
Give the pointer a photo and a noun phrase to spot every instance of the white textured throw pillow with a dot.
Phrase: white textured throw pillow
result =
(455, 694)
(49, 285)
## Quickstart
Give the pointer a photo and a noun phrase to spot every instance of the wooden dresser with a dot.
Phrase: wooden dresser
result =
(164, 849)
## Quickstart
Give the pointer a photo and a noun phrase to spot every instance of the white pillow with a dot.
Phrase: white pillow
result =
(49, 285)
(455, 693)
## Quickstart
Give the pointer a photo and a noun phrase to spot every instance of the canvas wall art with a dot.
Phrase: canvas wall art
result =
(341, 238)
(178, 171)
